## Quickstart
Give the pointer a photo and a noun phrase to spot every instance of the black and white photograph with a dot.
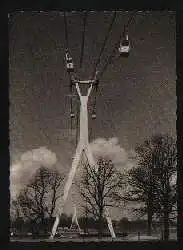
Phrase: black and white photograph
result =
(92, 126)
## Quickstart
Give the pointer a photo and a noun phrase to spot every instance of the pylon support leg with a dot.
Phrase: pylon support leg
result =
(67, 187)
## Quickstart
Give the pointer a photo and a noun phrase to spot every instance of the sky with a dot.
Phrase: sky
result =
(138, 93)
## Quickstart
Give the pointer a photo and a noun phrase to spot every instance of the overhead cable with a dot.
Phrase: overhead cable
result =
(83, 38)
(104, 43)
(66, 32)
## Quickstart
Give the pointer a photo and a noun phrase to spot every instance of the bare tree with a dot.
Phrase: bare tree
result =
(143, 190)
(98, 188)
(151, 179)
(17, 221)
(38, 199)
(14, 209)
(164, 161)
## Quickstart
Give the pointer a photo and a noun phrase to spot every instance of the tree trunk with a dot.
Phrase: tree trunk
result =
(150, 207)
(100, 226)
(149, 222)
(149, 214)
(166, 228)
(86, 225)
(166, 208)
(42, 224)
(166, 222)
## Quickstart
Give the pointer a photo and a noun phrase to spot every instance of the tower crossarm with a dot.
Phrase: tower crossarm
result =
(79, 91)
(87, 82)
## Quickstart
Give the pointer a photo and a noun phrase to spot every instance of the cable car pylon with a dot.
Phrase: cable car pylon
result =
(75, 219)
(83, 145)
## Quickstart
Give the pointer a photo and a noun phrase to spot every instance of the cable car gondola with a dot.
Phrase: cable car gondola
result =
(94, 116)
(124, 48)
(69, 62)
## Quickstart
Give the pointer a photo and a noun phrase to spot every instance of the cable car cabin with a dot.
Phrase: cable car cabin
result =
(69, 63)
(93, 116)
(124, 48)
(70, 67)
